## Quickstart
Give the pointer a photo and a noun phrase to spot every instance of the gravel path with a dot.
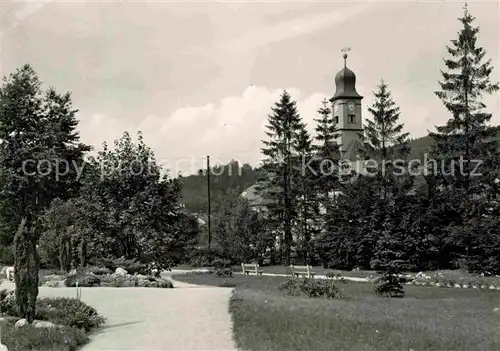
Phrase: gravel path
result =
(188, 317)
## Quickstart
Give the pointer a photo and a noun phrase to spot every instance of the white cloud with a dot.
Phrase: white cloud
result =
(231, 129)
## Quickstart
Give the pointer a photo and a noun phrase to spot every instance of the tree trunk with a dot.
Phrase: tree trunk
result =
(68, 254)
(83, 253)
(62, 252)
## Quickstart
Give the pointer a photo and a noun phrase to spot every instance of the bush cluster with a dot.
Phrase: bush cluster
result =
(215, 257)
(69, 312)
(61, 311)
(311, 287)
(42, 339)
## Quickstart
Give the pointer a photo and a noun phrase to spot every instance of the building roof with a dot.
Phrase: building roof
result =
(345, 84)
(256, 196)
(358, 150)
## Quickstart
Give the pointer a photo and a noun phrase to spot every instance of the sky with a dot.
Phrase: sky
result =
(199, 78)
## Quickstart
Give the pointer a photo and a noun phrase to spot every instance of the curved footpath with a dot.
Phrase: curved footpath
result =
(188, 317)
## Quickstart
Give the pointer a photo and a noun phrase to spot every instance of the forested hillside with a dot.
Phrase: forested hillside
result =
(227, 182)
(421, 146)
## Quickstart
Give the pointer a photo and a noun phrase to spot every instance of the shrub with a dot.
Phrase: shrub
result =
(311, 288)
(62, 311)
(8, 303)
(68, 312)
(317, 288)
(223, 272)
(220, 263)
(42, 339)
(202, 257)
(290, 287)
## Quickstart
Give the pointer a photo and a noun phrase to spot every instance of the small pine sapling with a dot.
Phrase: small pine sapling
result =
(390, 283)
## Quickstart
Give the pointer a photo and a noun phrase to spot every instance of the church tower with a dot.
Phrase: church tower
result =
(346, 107)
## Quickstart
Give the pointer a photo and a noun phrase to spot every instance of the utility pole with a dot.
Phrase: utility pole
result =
(209, 205)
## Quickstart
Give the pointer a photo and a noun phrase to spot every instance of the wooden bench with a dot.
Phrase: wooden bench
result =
(247, 268)
(306, 271)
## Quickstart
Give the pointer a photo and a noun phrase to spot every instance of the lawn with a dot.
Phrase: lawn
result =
(427, 318)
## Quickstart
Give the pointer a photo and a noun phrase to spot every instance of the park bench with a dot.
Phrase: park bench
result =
(247, 268)
(306, 271)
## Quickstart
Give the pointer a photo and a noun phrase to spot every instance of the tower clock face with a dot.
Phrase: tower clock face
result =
(351, 106)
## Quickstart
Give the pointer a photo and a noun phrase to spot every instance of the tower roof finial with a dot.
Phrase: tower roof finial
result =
(345, 51)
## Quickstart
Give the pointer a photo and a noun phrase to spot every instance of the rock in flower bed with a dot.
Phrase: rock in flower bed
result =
(61, 324)
(101, 277)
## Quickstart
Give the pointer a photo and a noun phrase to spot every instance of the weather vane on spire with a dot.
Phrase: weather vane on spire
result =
(345, 51)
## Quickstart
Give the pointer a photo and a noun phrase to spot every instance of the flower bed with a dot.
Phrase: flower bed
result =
(60, 324)
(100, 277)
(438, 279)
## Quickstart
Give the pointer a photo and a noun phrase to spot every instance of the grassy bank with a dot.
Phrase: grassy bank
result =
(426, 319)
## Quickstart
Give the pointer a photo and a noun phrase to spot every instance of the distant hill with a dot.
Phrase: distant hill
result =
(423, 145)
(227, 181)
(419, 147)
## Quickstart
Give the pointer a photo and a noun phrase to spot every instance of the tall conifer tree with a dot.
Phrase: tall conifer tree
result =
(389, 143)
(327, 152)
(305, 193)
(467, 150)
(466, 141)
(279, 150)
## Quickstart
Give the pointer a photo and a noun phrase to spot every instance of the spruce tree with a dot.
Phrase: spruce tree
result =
(391, 179)
(466, 145)
(305, 193)
(279, 152)
(389, 143)
(326, 129)
(466, 148)
(327, 151)
(352, 220)
(390, 283)
(385, 133)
